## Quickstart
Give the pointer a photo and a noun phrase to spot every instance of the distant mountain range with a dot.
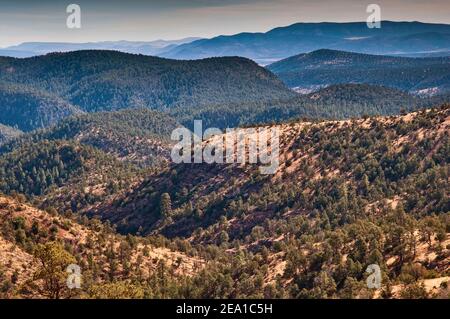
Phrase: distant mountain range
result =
(393, 38)
(29, 49)
(308, 71)
(404, 38)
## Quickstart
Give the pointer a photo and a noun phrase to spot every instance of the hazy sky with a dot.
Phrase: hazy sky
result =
(102, 20)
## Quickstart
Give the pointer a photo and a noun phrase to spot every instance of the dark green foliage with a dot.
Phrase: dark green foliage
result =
(223, 92)
(334, 102)
(50, 167)
(34, 168)
(109, 80)
(307, 234)
(326, 67)
(29, 108)
(366, 155)
(7, 133)
(138, 135)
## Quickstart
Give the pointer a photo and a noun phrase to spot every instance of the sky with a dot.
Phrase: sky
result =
(138, 20)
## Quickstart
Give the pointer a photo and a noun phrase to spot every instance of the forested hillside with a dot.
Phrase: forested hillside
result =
(335, 102)
(113, 266)
(29, 108)
(427, 76)
(7, 133)
(363, 176)
(412, 145)
(347, 194)
(138, 136)
(109, 80)
(85, 159)
(64, 174)
(223, 92)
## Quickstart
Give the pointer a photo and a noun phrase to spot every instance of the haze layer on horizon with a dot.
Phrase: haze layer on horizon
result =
(138, 20)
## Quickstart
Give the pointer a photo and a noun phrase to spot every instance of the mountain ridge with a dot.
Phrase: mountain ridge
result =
(29, 49)
(129, 80)
(282, 42)
(326, 67)
(298, 142)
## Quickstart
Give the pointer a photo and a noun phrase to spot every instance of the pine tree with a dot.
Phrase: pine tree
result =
(165, 205)
(52, 270)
